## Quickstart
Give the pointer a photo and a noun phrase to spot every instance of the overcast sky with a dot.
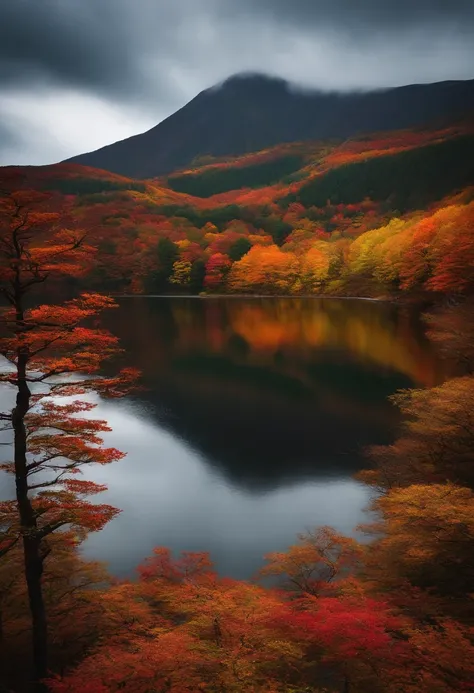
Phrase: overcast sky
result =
(78, 74)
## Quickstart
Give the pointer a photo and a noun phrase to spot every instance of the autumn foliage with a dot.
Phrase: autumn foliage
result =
(384, 243)
(392, 613)
(53, 358)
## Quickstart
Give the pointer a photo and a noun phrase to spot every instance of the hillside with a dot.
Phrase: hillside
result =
(376, 215)
(248, 113)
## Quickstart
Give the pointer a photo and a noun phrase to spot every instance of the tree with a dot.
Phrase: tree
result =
(428, 539)
(264, 269)
(277, 229)
(67, 583)
(347, 638)
(451, 328)
(440, 660)
(51, 355)
(363, 252)
(239, 248)
(196, 632)
(453, 250)
(167, 253)
(437, 439)
(314, 564)
(217, 268)
(197, 275)
(181, 273)
(389, 252)
(314, 268)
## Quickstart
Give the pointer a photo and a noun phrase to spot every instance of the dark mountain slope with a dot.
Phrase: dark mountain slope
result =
(251, 112)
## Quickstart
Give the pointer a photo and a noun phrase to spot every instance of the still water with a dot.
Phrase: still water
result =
(252, 422)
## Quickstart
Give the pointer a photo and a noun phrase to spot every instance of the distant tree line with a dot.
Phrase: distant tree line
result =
(222, 179)
(90, 186)
(408, 180)
(263, 218)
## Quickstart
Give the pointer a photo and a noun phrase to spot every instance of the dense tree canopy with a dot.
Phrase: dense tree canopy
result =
(387, 217)
(215, 180)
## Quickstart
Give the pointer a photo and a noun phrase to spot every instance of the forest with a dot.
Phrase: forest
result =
(376, 216)
(215, 180)
(390, 613)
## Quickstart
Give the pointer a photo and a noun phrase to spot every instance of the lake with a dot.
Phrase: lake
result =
(252, 423)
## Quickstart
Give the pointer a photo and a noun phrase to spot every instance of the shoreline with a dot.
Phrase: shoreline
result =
(250, 296)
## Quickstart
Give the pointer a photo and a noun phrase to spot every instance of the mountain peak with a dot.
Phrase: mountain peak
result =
(250, 85)
(253, 78)
(251, 111)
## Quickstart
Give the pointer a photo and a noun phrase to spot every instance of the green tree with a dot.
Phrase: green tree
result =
(239, 248)
(196, 278)
(167, 254)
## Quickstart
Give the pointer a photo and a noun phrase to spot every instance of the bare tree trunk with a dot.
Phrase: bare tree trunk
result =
(33, 560)
(217, 632)
(33, 572)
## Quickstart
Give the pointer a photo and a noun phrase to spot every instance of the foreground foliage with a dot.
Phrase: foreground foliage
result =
(50, 355)
(392, 614)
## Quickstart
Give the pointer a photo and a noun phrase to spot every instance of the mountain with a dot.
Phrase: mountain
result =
(383, 214)
(249, 113)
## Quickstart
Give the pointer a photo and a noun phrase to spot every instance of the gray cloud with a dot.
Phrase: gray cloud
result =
(366, 16)
(104, 46)
(154, 56)
(75, 42)
(108, 45)
(10, 139)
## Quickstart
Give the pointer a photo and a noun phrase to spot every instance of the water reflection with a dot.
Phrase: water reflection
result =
(252, 422)
(274, 391)
(170, 496)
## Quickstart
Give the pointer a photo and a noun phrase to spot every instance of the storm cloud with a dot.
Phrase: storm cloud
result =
(78, 74)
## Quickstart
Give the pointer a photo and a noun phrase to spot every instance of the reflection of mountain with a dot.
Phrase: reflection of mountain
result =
(273, 390)
(259, 438)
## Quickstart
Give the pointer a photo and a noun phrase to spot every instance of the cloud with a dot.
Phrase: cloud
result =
(41, 127)
(102, 46)
(364, 16)
(113, 45)
(62, 42)
(142, 60)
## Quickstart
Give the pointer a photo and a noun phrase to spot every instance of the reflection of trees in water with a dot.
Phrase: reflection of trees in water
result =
(275, 333)
(377, 334)
(273, 389)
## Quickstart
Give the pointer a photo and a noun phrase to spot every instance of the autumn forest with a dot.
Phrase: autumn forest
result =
(387, 609)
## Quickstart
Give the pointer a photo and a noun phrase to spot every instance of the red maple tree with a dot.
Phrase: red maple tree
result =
(49, 354)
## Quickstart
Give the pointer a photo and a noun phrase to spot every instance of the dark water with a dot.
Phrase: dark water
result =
(252, 423)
